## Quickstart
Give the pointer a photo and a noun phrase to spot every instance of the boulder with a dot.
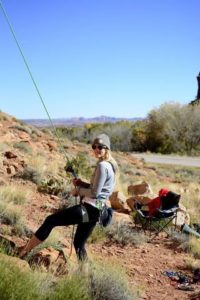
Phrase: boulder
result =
(141, 199)
(118, 202)
(46, 256)
(51, 145)
(139, 189)
(10, 170)
(21, 264)
(51, 260)
(183, 216)
(122, 218)
(10, 154)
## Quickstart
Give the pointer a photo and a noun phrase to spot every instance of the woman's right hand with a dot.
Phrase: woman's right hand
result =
(76, 182)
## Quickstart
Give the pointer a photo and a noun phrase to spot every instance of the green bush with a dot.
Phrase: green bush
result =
(16, 284)
(73, 287)
(103, 282)
(53, 186)
(80, 165)
(98, 235)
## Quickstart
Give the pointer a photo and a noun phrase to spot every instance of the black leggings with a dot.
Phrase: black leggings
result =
(71, 216)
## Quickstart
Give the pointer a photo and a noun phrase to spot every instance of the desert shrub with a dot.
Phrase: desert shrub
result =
(180, 239)
(194, 247)
(98, 235)
(192, 264)
(11, 215)
(80, 165)
(44, 165)
(22, 128)
(24, 147)
(8, 214)
(102, 283)
(179, 173)
(173, 128)
(14, 194)
(17, 284)
(35, 132)
(46, 130)
(119, 132)
(38, 161)
(32, 174)
(188, 243)
(109, 281)
(124, 234)
(6, 230)
(6, 247)
(53, 167)
(53, 186)
(74, 287)
(139, 136)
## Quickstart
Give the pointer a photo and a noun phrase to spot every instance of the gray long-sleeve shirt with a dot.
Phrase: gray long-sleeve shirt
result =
(102, 182)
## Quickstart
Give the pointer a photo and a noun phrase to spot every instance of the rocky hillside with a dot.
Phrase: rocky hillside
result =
(33, 184)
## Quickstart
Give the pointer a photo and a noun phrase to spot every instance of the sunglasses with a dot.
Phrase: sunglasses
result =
(99, 147)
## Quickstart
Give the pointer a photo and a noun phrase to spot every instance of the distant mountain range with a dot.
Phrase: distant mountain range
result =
(76, 121)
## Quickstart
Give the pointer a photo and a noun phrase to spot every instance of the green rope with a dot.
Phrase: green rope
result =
(33, 80)
(42, 101)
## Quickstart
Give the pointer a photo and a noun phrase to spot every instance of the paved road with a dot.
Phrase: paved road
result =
(170, 160)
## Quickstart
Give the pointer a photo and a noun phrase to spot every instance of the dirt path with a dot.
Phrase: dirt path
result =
(169, 159)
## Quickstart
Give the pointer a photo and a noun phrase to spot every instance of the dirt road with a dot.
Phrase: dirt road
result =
(169, 159)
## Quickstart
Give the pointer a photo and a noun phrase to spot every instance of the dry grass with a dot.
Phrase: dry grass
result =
(194, 247)
(124, 234)
(14, 194)
(38, 162)
(192, 263)
(12, 215)
(3, 147)
(23, 147)
(44, 165)
(108, 280)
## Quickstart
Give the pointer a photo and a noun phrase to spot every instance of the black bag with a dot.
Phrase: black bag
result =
(170, 200)
(106, 216)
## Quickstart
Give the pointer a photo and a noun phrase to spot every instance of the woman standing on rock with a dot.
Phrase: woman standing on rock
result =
(94, 196)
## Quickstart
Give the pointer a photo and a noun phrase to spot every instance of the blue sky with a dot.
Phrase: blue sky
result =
(89, 58)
